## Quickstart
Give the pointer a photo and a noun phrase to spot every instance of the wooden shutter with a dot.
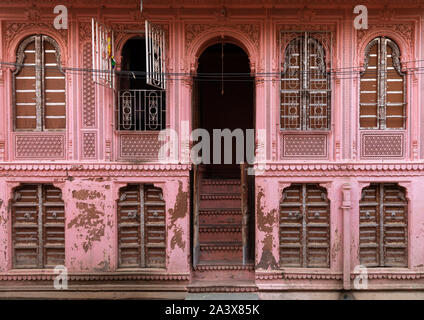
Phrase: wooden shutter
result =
(382, 89)
(383, 227)
(304, 227)
(25, 86)
(25, 227)
(154, 227)
(395, 90)
(39, 86)
(54, 87)
(38, 221)
(53, 227)
(141, 224)
(305, 82)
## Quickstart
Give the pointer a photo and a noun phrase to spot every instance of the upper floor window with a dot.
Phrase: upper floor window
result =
(305, 227)
(38, 227)
(39, 96)
(306, 82)
(141, 105)
(383, 226)
(141, 226)
(382, 89)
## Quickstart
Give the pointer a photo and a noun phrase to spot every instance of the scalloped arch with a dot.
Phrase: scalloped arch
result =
(17, 41)
(405, 48)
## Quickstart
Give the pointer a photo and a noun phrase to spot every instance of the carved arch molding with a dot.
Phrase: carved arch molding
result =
(14, 30)
(194, 31)
(404, 33)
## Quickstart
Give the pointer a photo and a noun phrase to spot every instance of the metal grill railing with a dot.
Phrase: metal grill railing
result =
(141, 110)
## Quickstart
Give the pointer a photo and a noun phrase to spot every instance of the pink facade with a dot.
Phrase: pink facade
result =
(91, 161)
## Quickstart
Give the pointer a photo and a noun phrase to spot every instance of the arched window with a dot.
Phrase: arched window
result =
(383, 226)
(305, 227)
(305, 84)
(141, 227)
(38, 226)
(39, 86)
(382, 89)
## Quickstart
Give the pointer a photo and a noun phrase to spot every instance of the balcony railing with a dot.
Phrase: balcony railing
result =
(141, 110)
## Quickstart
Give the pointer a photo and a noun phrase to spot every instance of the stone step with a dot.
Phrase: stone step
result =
(220, 200)
(214, 233)
(220, 186)
(220, 216)
(220, 270)
(226, 251)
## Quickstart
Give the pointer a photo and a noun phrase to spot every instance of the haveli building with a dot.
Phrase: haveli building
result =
(337, 120)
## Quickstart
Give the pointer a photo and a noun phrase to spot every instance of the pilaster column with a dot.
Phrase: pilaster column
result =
(346, 208)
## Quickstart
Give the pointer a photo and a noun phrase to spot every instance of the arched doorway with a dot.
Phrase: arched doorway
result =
(223, 98)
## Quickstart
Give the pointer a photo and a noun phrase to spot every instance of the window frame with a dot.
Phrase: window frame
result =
(142, 205)
(287, 220)
(324, 39)
(39, 82)
(380, 232)
(41, 224)
(381, 87)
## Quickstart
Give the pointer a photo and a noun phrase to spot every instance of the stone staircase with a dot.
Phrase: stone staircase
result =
(220, 268)
(220, 234)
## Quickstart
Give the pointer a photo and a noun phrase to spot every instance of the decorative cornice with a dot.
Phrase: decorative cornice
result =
(392, 276)
(281, 169)
(114, 276)
(343, 169)
(93, 167)
(298, 276)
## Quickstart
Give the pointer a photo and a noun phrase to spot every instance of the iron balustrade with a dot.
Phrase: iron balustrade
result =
(141, 110)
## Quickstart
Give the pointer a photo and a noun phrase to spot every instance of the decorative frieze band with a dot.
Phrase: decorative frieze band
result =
(96, 277)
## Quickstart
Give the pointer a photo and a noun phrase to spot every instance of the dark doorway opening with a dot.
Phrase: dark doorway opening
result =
(223, 205)
(225, 100)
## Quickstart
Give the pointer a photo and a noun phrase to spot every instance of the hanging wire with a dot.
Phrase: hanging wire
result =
(343, 73)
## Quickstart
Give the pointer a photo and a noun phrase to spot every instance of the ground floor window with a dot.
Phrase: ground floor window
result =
(38, 223)
(383, 226)
(305, 227)
(141, 227)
